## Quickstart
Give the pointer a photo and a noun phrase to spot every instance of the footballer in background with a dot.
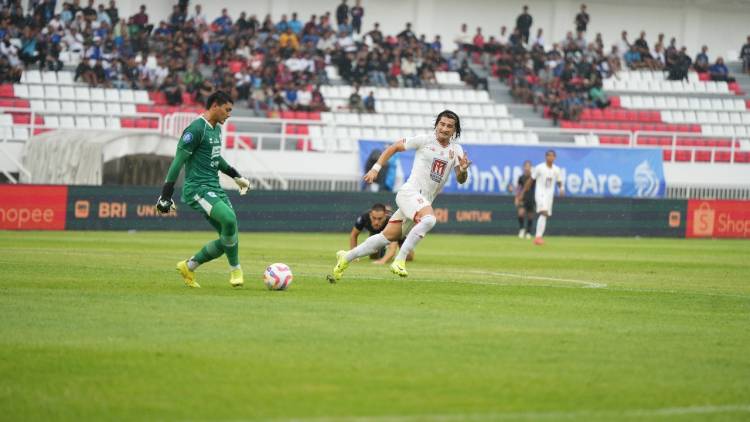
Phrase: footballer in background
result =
(525, 205)
(199, 150)
(438, 154)
(544, 177)
(374, 221)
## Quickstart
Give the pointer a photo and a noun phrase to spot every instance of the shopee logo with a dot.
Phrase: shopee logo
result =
(32, 207)
(18, 218)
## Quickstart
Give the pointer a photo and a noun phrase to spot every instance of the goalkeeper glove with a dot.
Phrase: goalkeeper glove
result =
(165, 204)
(243, 184)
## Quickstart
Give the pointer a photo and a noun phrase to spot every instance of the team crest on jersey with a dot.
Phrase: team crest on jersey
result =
(187, 137)
(438, 170)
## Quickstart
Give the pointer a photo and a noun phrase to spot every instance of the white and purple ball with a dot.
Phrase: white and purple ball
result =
(278, 276)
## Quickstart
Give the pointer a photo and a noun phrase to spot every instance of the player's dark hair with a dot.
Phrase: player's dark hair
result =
(378, 207)
(451, 115)
(219, 98)
(551, 151)
(527, 162)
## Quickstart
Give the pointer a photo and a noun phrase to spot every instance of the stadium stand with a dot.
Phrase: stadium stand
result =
(293, 90)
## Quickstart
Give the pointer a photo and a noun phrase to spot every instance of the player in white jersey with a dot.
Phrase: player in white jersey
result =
(437, 154)
(546, 175)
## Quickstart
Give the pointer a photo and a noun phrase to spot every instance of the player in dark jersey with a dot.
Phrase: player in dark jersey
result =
(525, 204)
(374, 221)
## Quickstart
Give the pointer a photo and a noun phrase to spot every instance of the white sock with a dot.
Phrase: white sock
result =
(371, 245)
(415, 235)
(192, 264)
(541, 224)
(234, 267)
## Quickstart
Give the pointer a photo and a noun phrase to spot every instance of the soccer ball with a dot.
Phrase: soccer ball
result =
(277, 276)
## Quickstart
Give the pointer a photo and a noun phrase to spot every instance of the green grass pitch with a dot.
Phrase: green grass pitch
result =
(98, 326)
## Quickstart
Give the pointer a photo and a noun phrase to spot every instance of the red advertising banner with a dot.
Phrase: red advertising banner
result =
(31, 207)
(718, 218)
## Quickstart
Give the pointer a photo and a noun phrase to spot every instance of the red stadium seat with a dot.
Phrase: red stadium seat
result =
(314, 115)
(21, 103)
(741, 157)
(127, 122)
(304, 144)
(7, 102)
(703, 156)
(287, 115)
(722, 156)
(614, 102)
(157, 97)
(704, 76)
(6, 91)
(683, 155)
(667, 155)
(142, 123)
(25, 119)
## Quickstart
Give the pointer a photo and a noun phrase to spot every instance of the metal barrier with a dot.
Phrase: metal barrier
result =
(707, 192)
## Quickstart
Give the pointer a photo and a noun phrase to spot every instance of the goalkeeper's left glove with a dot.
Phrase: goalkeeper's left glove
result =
(243, 183)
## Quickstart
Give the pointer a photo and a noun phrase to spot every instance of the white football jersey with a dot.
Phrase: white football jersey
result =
(433, 164)
(546, 177)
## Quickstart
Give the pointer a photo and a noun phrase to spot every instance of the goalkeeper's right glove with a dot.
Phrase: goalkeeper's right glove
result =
(165, 204)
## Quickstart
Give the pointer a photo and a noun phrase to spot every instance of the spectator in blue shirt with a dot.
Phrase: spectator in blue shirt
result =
(282, 25)
(437, 45)
(719, 71)
(224, 22)
(295, 24)
(701, 60)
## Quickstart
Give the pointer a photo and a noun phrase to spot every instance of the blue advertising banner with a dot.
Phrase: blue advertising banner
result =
(590, 172)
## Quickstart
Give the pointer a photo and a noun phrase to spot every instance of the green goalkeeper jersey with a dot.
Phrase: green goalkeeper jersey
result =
(203, 143)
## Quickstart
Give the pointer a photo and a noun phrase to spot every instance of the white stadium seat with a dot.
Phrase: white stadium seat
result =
(82, 122)
(49, 78)
(97, 94)
(52, 92)
(65, 78)
(82, 93)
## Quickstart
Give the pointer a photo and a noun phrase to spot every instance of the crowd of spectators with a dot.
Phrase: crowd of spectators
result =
(271, 65)
(566, 76)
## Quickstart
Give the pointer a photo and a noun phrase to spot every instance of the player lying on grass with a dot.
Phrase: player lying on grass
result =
(436, 155)
(545, 176)
(374, 221)
(199, 150)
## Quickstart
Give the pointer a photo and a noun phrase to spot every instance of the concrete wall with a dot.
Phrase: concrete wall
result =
(720, 24)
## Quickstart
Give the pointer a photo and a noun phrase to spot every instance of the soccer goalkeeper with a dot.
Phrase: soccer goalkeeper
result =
(199, 150)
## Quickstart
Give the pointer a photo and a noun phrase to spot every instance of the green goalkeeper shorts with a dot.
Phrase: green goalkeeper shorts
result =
(203, 199)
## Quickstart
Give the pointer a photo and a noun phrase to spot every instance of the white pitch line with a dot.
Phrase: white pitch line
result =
(584, 283)
(576, 415)
(588, 284)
